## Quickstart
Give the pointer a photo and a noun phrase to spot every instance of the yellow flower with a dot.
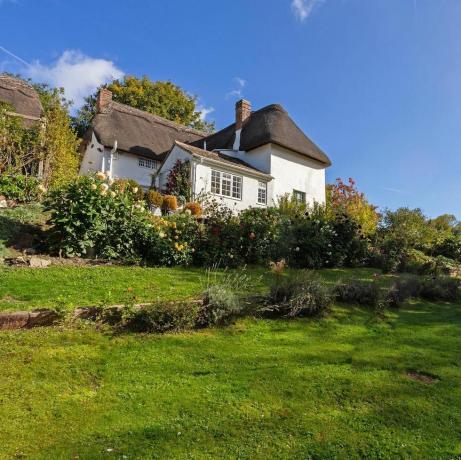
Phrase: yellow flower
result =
(112, 194)
(100, 175)
(161, 235)
(135, 190)
(104, 187)
(94, 186)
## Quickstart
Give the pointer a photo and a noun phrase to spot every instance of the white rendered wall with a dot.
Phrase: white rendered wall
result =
(92, 158)
(126, 166)
(201, 180)
(292, 171)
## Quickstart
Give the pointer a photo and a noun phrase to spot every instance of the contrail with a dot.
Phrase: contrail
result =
(14, 56)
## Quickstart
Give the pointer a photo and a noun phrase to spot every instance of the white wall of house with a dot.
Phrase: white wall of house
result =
(126, 165)
(201, 169)
(92, 158)
(120, 164)
(292, 171)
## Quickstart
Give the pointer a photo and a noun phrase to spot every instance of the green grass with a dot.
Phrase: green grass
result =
(322, 389)
(15, 222)
(25, 288)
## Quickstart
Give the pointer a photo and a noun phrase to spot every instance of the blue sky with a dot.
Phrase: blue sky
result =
(375, 83)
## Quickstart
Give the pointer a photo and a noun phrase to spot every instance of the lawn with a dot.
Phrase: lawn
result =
(322, 389)
(68, 287)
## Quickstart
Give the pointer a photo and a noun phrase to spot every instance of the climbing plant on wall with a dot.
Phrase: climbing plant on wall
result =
(178, 182)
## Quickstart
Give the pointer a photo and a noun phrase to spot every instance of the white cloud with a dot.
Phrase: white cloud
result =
(77, 73)
(204, 111)
(238, 91)
(302, 9)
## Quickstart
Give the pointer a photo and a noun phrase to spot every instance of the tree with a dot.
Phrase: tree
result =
(60, 141)
(162, 98)
(344, 198)
(19, 145)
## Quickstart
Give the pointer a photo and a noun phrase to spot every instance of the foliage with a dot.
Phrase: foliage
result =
(345, 199)
(161, 98)
(59, 148)
(402, 290)
(19, 144)
(450, 247)
(154, 198)
(359, 292)
(20, 188)
(302, 295)
(441, 288)
(194, 208)
(178, 181)
(414, 261)
(128, 186)
(168, 241)
(90, 217)
(161, 317)
(222, 301)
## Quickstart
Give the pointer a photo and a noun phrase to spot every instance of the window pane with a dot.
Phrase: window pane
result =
(226, 184)
(215, 182)
(300, 197)
(262, 192)
(237, 187)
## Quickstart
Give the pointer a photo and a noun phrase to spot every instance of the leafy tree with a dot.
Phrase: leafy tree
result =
(162, 98)
(60, 141)
(19, 145)
(345, 199)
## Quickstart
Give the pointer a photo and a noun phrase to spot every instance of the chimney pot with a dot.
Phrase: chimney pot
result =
(104, 98)
(242, 113)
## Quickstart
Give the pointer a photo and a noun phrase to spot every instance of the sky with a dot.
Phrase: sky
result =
(375, 83)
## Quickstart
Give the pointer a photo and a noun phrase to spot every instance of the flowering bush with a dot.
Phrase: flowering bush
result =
(194, 208)
(168, 241)
(93, 216)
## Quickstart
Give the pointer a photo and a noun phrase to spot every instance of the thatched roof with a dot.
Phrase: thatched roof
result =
(21, 96)
(222, 158)
(139, 132)
(271, 124)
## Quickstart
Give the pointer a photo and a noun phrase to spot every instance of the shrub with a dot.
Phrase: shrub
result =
(20, 188)
(414, 261)
(441, 288)
(128, 186)
(168, 240)
(301, 296)
(221, 304)
(170, 203)
(222, 298)
(162, 317)
(194, 208)
(362, 293)
(154, 198)
(91, 217)
(402, 290)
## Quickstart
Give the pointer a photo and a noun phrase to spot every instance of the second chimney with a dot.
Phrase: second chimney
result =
(242, 113)
(104, 99)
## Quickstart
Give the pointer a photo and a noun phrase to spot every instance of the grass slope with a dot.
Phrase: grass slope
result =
(333, 388)
(25, 288)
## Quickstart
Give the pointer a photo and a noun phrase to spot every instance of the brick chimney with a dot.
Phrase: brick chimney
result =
(242, 113)
(104, 98)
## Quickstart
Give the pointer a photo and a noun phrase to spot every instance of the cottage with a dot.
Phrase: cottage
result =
(250, 163)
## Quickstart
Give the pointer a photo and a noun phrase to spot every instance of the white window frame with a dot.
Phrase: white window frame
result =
(300, 193)
(226, 184)
(147, 163)
(262, 193)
